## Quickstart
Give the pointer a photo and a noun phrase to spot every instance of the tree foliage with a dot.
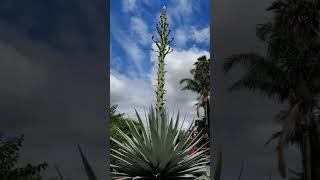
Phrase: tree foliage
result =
(9, 155)
(200, 84)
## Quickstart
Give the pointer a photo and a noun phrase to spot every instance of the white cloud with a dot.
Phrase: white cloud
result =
(116, 87)
(129, 92)
(133, 50)
(148, 2)
(202, 35)
(141, 29)
(182, 9)
(129, 5)
(128, 44)
(180, 37)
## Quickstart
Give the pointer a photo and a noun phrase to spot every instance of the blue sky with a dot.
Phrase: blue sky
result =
(132, 62)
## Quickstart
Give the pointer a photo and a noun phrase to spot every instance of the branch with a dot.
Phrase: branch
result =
(168, 33)
(170, 40)
(168, 51)
(158, 29)
(155, 50)
(156, 41)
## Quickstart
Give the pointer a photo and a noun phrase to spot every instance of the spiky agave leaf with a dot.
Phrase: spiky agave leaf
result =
(58, 172)
(205, 176)
(86, 164)
(217, 172)
(160, 151)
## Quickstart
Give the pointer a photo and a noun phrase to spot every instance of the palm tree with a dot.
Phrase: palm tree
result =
(290, 74)
(200, 83)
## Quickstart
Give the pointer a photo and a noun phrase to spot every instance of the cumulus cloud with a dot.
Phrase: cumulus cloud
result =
(133, 51)
(181, 37)
(127, 44)
(202, 35)
(182, 9)
(140, 28)
(148, 2)
(129, 91)
(129, 5)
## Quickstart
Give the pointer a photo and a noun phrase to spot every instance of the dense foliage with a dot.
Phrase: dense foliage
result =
(9, 155)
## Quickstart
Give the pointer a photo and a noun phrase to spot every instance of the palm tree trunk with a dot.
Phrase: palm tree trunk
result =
(208, 117)
(205, 114)
(206, 109)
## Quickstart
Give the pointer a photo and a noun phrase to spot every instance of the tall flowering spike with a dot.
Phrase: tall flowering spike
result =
(163, 49)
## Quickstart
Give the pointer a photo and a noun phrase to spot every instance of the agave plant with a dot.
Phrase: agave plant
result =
(205, 176)
(160, 151)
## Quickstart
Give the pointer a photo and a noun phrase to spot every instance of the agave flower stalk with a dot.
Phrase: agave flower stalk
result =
(163, 49)
(160, 151)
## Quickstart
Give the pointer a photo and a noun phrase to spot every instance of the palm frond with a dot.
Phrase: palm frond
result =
(191, 85)
(273, 137)
(262, 76)
(249, 60)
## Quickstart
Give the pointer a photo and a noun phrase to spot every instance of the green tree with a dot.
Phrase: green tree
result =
(200, 84)
(289, 73)
(9, 154)
(118, 120)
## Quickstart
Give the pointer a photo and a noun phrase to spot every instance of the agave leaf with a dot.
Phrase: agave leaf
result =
(205, 176)
(58, 172)
(217, 172)
(87, 167)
